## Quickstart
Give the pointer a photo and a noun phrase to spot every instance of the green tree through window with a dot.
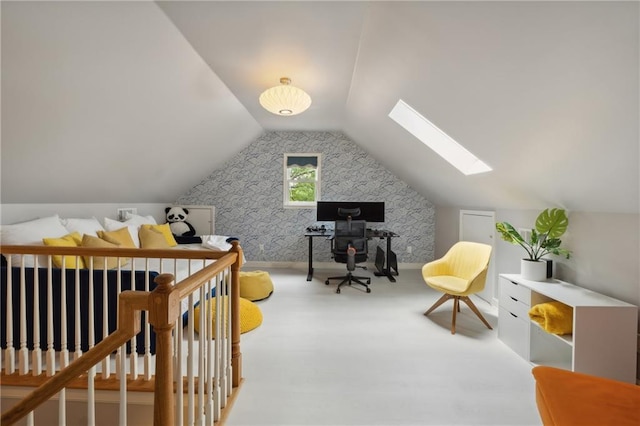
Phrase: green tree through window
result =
(300, 188)
(302, 176)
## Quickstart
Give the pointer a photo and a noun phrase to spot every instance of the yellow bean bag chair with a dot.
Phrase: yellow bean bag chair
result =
(255, 285)
(250, 315)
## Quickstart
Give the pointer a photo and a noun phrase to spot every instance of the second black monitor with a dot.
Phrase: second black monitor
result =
(370, 211)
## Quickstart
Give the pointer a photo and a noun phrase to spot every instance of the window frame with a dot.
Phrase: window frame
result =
(287, 202)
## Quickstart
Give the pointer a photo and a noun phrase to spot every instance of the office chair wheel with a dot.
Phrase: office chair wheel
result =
(338, 291)
(368, 280)
(368, 290)
(326, 282)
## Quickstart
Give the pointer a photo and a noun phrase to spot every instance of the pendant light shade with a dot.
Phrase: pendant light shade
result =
(285, 99)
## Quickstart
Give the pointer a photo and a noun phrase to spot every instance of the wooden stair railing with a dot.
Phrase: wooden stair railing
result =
(130, 303)
(163, 305)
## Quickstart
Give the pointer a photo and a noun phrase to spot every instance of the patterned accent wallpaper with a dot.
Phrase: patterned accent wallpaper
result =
(248, 196)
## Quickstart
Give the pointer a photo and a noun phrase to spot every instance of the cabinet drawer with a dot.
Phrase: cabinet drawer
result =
(516, 291)
(514, 332)
(514, 306)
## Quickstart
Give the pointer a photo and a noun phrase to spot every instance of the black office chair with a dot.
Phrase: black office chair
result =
(350, 246)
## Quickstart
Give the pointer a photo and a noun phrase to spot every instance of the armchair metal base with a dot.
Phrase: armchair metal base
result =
(456, 309)
(348, 279)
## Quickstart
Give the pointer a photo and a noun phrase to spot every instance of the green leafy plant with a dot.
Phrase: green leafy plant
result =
(302, 189)
(551, 224)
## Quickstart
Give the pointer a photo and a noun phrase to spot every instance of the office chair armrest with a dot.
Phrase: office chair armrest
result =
(351, 258)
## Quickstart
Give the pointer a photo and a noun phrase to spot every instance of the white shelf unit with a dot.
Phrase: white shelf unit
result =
(603, 342)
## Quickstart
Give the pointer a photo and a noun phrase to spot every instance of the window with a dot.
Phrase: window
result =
(430, 135)
(301, 180)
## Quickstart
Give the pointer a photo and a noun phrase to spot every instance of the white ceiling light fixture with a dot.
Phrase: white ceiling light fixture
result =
(430, 135)
(285, 99)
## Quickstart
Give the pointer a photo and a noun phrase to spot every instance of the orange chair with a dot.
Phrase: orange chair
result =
(567, 398)
(458, 274)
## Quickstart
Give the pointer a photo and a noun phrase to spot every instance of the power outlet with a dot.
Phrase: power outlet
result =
(409, 249)
(126, 212)
(261, 246)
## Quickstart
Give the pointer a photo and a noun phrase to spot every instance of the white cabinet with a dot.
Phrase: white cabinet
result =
(603, 342)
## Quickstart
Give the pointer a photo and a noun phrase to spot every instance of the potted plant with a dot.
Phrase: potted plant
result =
(551, 224)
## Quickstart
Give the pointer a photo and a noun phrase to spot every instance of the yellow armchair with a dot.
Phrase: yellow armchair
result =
(461, 272)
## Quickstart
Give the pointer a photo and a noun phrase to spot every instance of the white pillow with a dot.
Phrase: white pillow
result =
(133, 223)
(89, 226)
(31, 233)
(216, 242)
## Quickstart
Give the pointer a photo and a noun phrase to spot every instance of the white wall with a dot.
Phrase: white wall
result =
(447, 229)
(14, 213)
(107, 102)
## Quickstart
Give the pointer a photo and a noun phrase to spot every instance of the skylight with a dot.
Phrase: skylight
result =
(430, 135)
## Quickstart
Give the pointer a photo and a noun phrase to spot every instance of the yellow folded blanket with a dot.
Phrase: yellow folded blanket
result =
(553, 317)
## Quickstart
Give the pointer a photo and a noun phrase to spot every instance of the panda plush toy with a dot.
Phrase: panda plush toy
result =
(177, 220)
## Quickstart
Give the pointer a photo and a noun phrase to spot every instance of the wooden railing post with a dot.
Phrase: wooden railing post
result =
(164, 310)
(236, 355)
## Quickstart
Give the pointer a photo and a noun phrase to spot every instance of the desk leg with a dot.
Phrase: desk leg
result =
(388, 268)
(386, 271)
(310, 271)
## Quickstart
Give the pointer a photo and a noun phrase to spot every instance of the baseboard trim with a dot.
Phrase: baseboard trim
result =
(319, 265)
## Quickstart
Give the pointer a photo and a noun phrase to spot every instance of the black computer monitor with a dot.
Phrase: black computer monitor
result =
(370, 211)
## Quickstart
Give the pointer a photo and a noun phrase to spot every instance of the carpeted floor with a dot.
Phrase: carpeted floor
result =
(322, 358)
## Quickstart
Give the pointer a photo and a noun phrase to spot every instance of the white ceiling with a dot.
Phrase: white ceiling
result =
(546, 93)
(251, 45)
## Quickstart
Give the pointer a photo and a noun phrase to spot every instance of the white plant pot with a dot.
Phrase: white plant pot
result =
(533, 270)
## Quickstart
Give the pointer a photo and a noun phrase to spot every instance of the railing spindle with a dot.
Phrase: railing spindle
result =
(201, 355)
(78, 319)
(178, 372)
(133, 355)
(91, 374)
(216, 330)
(205, 340)
(120, 360)
(147, 329)
(36, 353)
(64, 351)
(10, 352)
(23, 352)
(106, 363)
(62, 407)
(190, 363)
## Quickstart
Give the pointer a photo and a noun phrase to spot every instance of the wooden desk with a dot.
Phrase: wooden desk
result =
(371, 233)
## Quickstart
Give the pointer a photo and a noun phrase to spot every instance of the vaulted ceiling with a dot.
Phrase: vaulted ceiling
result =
(138, 101)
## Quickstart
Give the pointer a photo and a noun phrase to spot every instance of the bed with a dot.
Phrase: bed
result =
(87, 310)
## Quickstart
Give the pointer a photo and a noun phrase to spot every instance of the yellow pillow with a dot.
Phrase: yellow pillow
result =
(122, 237)
(165, 230)
(152, 239)
(69, 240)
(76, 237)
(99, 261)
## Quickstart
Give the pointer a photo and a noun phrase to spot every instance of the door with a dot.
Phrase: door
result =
(479, 226)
